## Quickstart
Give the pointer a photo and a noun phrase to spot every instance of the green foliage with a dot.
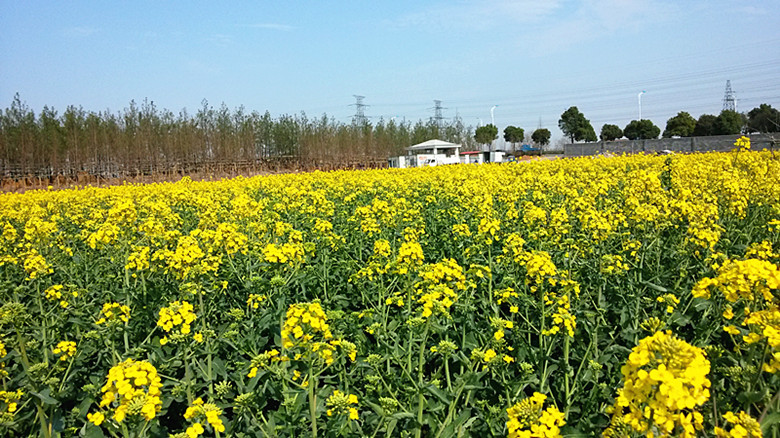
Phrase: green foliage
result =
(763, 118)
(541, 136)
(705, 125)
(513, 134)
(575, 126)
(641, 130)
(729, 123)
(486, 134)
(611, 132)
(681, 125)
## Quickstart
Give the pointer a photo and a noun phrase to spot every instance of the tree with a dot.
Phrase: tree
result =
(575, 126)
(589, 134)
(705, 125)
(486, 134)
(729, 123)
(681, 125)
(641, 130)
(513, 135)
(611, 132)
(541, 136)
(764, 119)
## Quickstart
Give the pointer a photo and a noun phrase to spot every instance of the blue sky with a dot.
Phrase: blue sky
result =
(533, 59)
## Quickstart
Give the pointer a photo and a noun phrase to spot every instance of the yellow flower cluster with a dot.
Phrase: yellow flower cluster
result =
(113, 313)
(488, 229)
(341, 403)
(755, 284)
(3, 353)
(133, 389)
(490, 358)
(201, 412)
(761, 250)
(612, 264)
(35, 265)
(670, 300)
(461, 230)
(742, 279)
(177, 317)
(304, 322)
(264, 360)
(513, 247)
(104, 236)
(9, 402)
(382, 248)
(66, 349)
(54, 293)
(187, 255)
(138, 258)
(410, 256)
(664, 380)
(742, 426)
(562, 317)
(529, 419)
(286, 253)
(742, 144)
(436, 290)
(306, 327)
(255, 300)
(539, 267)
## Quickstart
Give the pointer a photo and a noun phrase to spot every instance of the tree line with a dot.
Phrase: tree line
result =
(513, 135)
(761, 119)
(143, 138)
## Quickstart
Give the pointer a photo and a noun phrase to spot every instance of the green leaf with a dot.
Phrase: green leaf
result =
(769, 421)
(746, 397)
(45, 397)
(91, 431)
(391, 427)
(402, 415)
(656, 287)
(441, 395)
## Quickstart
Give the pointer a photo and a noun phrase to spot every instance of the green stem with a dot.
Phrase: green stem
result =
(209, 370)
(313, 400)
(420, 375)
(43, 326)
(566, 374)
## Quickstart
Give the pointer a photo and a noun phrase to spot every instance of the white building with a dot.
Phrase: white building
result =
(428, 153)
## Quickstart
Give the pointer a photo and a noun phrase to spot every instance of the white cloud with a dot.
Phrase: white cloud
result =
(595, 19)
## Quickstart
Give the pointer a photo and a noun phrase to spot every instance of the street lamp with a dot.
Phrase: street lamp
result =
(492, 122)
(639, 97)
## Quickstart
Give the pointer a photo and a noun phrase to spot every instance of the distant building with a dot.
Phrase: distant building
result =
(428, 153)
(438, 152)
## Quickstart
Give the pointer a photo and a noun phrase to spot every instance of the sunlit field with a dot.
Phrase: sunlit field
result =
(624, 296)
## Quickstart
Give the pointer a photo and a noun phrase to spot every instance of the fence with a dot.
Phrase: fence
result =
(687, 144)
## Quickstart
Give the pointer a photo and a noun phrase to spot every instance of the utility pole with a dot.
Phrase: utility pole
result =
(437, 113)
(360, 116)
(729, 99)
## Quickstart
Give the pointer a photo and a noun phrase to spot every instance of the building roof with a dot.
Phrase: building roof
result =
(430, 144)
